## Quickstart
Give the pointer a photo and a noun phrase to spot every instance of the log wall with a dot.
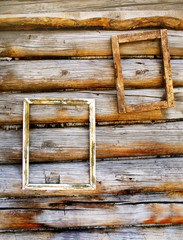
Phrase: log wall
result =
(139, 155)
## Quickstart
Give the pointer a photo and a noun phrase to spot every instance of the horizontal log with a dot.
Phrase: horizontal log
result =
(59, 202)
(49, 23)
(70, 43)
(50, 75)
(113, 177)
(92, 215)
(11, 106)
(28, 7)
(123, 233)
(57, 144)
(117, 14)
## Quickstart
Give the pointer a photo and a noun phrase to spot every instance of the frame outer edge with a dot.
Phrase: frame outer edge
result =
(167, 68)
(92, 144)
(25, 152)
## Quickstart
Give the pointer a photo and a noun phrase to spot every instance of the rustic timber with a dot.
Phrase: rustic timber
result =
(54, 144)
(133, 176)
(11, 107)
(149, 35)
(81, 43)
(143, 195)
(58, 202)
(122, 233)
(118, 75)
(167, 68)
(108, 214)
(52, 75)
(54, 6)
(168, 82)
(147, 106)
(99, 14)
(51, 23)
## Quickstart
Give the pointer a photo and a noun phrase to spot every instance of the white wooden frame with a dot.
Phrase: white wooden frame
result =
(92, 152)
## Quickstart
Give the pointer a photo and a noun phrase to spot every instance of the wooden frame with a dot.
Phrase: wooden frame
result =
(92, 153)
(125, 38)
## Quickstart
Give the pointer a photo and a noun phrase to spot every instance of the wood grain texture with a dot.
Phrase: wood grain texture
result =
(52, 75)
(147, 106)
(145, 191)
(11, 105)
(137, 175)
(148, 35)
(48, 23)
(58, 202)
(167, 68)
(123, 233)
(70, 43)
(74, 6)
(76, 216)
(56, 144)
(118, 75)
(117, 14)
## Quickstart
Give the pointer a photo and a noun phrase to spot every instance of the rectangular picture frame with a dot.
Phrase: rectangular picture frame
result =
(92, 145)
(141, 36)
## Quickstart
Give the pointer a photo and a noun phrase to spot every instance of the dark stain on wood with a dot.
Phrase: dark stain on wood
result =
(48, 144)
(141, 72)
(64, 73)
(52, 178)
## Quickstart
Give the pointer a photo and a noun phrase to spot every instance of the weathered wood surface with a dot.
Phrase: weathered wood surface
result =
(106, 107)
(122, 108)
(50, 23)
(167, 68)
(176, 13)
(129, 191)
(58, 202)
(72, 212)
(52, 75)
(55, 144)
(141, 36)
(147, 106)
(119, 85)
(70, 43)
(113, 177)
(131, 233)
(99, 14)
(7, 7)
(92, 215)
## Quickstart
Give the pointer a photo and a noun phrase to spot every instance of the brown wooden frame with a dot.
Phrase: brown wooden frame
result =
(92, 153)
(141, 36)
